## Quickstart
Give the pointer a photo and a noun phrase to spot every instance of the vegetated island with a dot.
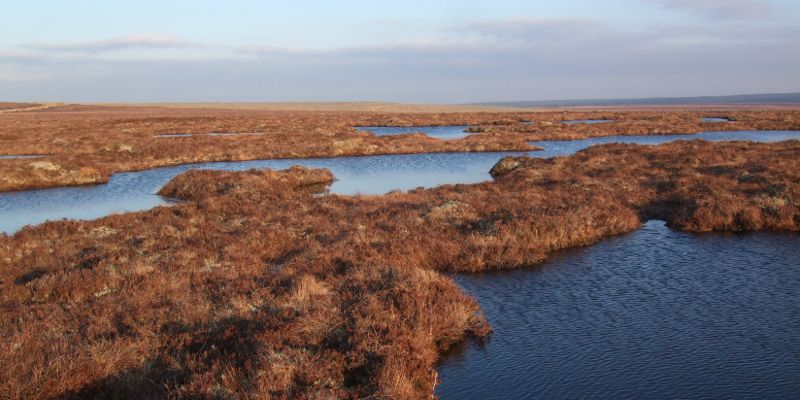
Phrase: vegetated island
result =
(85, 144)
(255, 286)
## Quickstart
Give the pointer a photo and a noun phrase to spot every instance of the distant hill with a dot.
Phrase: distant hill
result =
(743, 99)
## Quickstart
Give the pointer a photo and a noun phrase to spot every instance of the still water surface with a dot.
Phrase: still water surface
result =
(654, 314)
(715, 119)
(439, 132)
(586, 121)
(135, 191)
(15, 156)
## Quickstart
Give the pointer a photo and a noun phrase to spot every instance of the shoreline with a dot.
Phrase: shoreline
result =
(339, 291)
(86, 144)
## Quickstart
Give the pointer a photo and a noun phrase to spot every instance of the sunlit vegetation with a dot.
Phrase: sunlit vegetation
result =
(86, 144)
(5, 106)
(259, 286)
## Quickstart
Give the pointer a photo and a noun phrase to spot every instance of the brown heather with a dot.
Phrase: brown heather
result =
(7, 106)
(86, 144)
(256, 287)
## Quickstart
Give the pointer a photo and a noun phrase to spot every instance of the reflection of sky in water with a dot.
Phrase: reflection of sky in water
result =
(16, 156)
(715, 119)
(557, 148)
(133, 191)
(586, 121)
(439, 132)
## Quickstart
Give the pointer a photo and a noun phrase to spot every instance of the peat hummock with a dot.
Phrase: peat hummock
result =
(91, 142)
(136, 191)
(255, 279)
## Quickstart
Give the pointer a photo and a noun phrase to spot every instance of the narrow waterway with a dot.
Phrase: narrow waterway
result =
(440, 132)
(652, 314)
(135, 191)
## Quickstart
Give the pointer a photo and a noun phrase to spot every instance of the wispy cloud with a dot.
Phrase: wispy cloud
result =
(142, 41)
(719, 9)
(505, 59)
(533, 30)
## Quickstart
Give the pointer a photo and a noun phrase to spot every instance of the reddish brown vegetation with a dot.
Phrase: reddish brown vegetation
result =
(255, 287)
(693, 185)
(199, 184)
(5, 106)
(88, 143)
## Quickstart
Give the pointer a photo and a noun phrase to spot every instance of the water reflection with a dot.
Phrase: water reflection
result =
(15, 156)
(134, 191)
(586, 121)
(439, 132)
(655, 314)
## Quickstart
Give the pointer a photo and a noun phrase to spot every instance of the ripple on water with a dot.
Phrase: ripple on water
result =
(653, 314)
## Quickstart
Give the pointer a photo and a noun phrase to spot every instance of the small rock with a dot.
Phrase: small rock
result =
(504, 166)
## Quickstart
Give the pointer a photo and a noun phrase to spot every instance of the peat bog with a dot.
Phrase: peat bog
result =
(256, 286)
(86, 144)
(136, 191)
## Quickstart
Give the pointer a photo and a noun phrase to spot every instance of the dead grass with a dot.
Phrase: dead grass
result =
(14, 106)
(91, 142)
(356, 106)
(254, 288)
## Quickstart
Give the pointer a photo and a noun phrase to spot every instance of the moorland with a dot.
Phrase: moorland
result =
(86, 144)
(257, 285)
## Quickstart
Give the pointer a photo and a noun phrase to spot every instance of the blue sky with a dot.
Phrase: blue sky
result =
(410, 51)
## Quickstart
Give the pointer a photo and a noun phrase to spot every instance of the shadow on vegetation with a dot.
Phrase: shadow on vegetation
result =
(255, 287)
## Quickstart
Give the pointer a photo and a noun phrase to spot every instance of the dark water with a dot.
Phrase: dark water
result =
(654, 314)
(439, 132)
(135, 191)
(587, 121)
(715, 119)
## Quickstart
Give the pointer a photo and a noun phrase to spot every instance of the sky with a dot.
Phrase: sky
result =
(399, 51)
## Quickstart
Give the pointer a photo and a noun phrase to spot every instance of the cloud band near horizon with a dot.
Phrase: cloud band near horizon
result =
(490, 60)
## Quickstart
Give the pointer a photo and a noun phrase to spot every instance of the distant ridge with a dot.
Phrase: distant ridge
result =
(742, 99)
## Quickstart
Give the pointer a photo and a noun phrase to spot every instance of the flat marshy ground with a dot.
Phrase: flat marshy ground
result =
(255, 286)
(85, 144)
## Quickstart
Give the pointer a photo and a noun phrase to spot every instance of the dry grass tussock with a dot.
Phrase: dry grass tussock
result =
(86, 144)
(256, 288)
